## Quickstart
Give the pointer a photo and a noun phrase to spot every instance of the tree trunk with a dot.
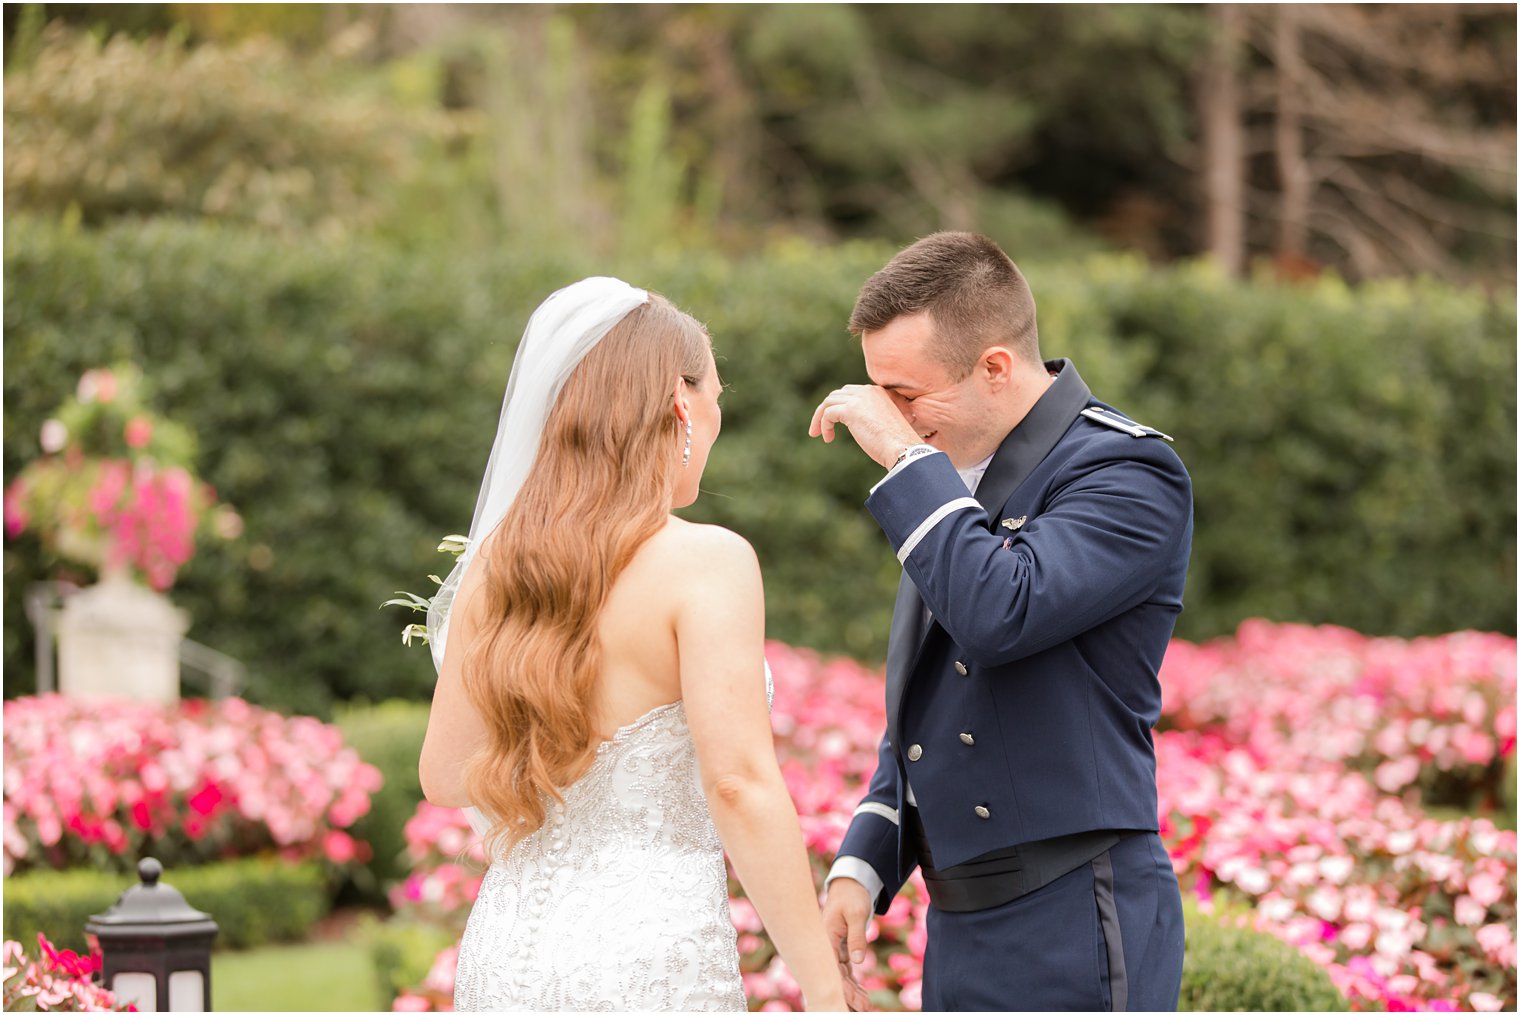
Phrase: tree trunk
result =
(1292, 171)
(1223, 142)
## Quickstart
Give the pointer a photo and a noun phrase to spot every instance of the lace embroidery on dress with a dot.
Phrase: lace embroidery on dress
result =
(620, 900)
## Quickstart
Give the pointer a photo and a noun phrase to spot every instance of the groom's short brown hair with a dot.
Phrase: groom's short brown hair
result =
(974, 293)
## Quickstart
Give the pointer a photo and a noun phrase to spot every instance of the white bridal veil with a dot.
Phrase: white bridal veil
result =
(563, 329)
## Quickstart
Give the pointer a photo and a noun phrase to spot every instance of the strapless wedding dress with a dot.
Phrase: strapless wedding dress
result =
(620, 900)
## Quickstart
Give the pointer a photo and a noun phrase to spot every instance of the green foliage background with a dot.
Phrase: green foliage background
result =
(254, 900)
(1352, 449)
(323, 266)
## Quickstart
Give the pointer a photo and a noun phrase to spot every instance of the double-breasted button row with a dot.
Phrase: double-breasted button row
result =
(916, 751)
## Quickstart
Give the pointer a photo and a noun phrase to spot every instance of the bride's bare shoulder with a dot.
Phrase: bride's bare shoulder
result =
(708, 547)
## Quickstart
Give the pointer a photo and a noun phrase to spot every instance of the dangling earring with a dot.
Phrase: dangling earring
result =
(686, 452)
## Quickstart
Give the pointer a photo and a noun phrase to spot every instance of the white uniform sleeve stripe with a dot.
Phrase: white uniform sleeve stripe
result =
(933, 520)
(881, 810)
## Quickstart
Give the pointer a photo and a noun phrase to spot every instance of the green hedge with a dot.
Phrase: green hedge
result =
(1352, 450)
(402, 952)
(342, 399)
(388, 736)
(1232, 968)
(253, 901)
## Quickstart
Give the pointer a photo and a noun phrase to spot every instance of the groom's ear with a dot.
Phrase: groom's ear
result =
(996, 366)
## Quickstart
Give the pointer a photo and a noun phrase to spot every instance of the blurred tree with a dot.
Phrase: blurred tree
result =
(1407, 117)
(1222, 139)
(100, 129)
(1370, 139)
(1381, 137)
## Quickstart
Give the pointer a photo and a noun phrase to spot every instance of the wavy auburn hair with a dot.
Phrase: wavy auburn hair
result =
(601, 485)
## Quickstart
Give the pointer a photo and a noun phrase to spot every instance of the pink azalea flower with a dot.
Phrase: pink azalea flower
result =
(138, 432)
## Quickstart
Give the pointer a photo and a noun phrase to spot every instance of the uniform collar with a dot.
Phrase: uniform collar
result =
(1033, 438)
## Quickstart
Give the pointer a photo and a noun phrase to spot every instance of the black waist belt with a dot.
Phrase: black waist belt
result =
(1003, 875)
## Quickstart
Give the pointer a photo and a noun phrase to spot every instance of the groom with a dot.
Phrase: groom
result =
(1044, 539)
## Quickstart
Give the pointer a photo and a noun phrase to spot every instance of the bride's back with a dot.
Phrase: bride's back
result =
(641, 663)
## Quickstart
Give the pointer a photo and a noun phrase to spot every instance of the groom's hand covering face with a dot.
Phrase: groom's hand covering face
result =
(872, 417)
(916, 398)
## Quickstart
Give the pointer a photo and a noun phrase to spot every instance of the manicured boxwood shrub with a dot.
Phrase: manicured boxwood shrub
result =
(388, 736)
(1233, 968)
(403, 952)
(253, 901)
(1352, 450)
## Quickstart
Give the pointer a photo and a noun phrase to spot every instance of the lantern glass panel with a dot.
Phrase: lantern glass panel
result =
(140, 989)
(187, 991)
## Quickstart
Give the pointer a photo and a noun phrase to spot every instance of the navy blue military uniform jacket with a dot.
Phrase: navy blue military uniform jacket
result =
(1020, 707)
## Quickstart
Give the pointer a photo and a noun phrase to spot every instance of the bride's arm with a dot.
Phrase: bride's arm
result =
(720, 635)
(454, 730)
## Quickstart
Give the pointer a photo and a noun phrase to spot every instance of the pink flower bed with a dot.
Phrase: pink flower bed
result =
(59, 981)
(1269, 791)
(1407, 713)
(190, 782)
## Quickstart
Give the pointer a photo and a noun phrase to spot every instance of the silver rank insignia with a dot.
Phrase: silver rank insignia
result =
(1109, 417)
(1013, 524)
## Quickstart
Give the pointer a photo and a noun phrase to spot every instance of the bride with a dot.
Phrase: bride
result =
(602, 703)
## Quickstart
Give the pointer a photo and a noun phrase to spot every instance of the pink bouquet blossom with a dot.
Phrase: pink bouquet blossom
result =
(188, 782)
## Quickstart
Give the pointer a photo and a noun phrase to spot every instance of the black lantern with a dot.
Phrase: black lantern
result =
(155, 949)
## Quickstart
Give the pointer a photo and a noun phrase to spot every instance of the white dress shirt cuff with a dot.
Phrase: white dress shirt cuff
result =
(856, 869)
(900, 466)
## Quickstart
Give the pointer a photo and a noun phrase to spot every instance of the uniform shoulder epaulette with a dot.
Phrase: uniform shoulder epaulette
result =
(1109, 417)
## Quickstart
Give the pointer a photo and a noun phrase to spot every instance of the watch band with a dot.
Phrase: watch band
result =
(914, 451)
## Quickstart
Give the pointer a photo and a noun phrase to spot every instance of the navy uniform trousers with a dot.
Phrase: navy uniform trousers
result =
(1106, 937)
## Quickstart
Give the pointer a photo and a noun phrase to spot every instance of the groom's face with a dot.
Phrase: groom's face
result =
(950, 414)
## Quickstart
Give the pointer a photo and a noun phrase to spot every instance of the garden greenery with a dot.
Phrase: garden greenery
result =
(1229, 967)
(388, 736)
(344, 394)
(255, 900)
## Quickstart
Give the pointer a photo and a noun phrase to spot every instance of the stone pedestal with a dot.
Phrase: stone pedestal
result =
(118, 639)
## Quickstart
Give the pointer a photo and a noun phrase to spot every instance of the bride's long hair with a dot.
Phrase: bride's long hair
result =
(601, 485)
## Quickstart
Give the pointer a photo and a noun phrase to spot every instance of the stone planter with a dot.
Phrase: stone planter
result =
(119, 639)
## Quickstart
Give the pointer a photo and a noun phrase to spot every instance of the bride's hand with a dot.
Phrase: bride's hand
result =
(824, 1000)
(844, 994)
(855, 996)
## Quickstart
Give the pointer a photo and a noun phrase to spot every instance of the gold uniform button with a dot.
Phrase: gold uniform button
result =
(960, 667)
(982, 812)
(968, 739)
(915, 752)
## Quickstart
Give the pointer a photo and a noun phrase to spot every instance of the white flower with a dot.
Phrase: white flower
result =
(1393, 944)
(1324, 904)
(1253, 881)
(1356, 936)
(54, 436)
(1336, 869)
(1275, 909)
(1469, 911)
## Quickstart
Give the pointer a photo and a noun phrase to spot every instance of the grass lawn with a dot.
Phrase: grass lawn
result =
(324, 976)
